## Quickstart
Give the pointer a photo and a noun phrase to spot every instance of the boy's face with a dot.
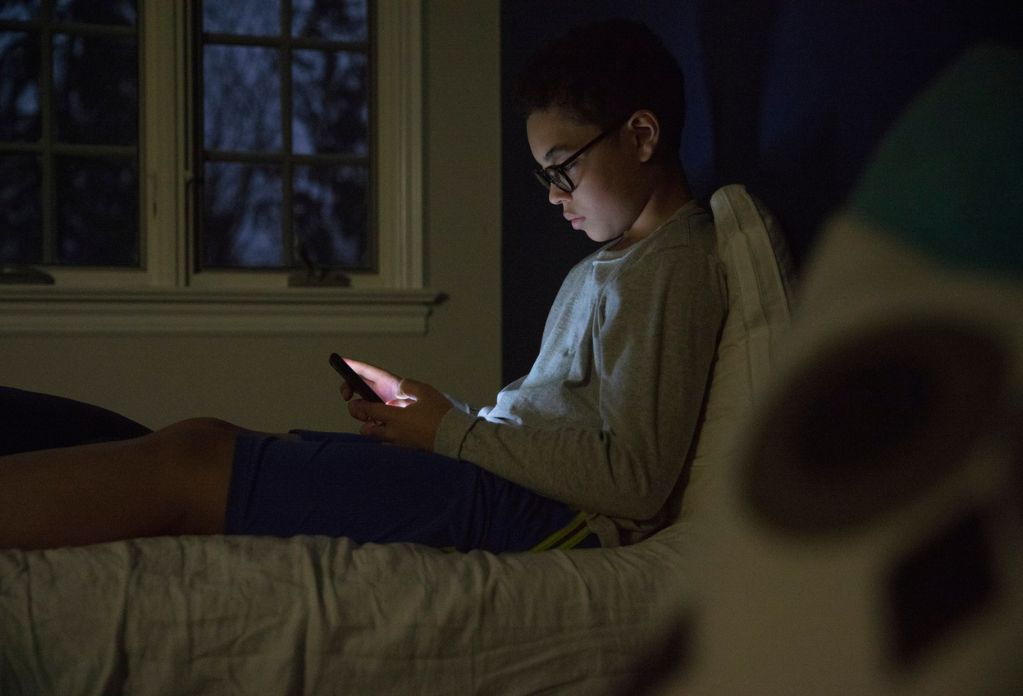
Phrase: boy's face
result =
(608, 194)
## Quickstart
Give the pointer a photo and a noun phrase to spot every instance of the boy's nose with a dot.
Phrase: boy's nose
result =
(556, 195)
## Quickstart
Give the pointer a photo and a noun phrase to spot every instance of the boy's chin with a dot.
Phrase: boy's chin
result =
(601, 235)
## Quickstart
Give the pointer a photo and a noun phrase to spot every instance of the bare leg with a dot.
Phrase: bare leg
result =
(173, 481)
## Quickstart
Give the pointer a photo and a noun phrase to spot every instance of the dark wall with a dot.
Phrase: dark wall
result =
(787, 96)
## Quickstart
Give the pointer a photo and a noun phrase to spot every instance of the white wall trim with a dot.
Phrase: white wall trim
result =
(297, 311)
(399, 156)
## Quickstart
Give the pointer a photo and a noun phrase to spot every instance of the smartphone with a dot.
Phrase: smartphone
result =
(357, 383)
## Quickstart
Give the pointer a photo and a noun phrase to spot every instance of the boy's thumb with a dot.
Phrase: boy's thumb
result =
(409, 389)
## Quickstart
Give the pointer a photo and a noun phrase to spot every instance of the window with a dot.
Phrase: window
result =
(286, 132)
(69, 164)
(183, 187)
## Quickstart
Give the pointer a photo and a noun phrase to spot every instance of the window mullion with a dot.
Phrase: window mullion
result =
(287, 169)
(163, 161)
(46, 136)
(186, 41)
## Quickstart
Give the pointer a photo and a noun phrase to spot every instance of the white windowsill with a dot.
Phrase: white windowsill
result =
(45, 310)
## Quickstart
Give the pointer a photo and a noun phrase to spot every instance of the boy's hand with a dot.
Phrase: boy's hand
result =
(410, 418)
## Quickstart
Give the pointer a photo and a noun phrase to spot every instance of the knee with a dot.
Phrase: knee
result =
(197, 440)
(203, 424)
(196, 456)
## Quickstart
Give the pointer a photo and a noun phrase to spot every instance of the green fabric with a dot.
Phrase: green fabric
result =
(948, 178)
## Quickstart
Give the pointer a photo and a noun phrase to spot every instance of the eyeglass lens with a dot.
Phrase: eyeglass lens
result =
(555, 174)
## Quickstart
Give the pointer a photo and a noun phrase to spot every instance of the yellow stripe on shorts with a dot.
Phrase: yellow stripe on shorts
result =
(576, 539)
(568, 536)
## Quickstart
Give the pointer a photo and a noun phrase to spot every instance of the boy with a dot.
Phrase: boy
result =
(588, 449)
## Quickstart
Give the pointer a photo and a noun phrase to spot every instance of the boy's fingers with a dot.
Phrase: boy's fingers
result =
(372, 428)
(378, 429)
(410, 389)
(406, 389)
(367, 410)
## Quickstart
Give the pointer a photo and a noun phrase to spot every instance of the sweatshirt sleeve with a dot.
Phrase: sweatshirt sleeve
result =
(655, 335)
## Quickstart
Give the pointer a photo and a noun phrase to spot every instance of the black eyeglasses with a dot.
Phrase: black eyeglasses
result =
(557, 174)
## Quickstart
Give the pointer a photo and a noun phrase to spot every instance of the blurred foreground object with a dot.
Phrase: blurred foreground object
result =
(869, 536)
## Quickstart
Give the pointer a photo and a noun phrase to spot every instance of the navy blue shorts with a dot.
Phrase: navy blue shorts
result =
(340, 484)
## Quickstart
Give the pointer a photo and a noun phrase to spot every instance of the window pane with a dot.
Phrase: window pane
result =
(259, 17)
(245, 223)
(331, 214)
(340, 20)
(19, 9)
(19, 88)
(97, 212)
(21, 213)
(242, 106)
(242, 216)
(95, 88)
(331, 102)
(92, 12)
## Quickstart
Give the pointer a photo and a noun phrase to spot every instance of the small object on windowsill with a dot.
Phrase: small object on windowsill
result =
(323, 277)
(17, 274)
(314, 276)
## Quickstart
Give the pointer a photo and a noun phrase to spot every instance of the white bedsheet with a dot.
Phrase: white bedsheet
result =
(244, 615)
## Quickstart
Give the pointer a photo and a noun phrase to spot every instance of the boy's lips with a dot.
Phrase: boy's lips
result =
(575, 221)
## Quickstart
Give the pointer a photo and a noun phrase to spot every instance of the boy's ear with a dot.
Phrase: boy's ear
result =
(645, 130)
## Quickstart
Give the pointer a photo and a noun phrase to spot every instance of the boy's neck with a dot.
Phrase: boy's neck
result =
(670, 194)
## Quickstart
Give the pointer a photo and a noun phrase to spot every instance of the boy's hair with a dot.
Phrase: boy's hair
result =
(603, 72)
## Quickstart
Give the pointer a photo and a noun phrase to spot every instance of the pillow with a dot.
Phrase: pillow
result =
(759, 276)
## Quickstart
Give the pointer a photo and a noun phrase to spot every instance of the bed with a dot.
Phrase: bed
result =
(224, 615)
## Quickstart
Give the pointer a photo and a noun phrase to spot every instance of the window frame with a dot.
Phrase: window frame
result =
(166, 295)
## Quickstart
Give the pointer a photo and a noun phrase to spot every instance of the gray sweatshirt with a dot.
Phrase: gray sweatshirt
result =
(606, 417)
